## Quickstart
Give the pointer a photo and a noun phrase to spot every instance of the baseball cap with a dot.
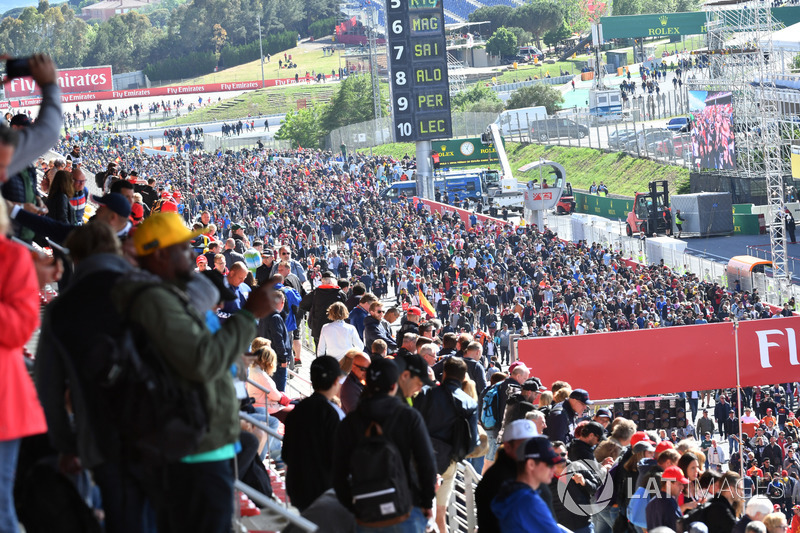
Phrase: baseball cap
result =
(382, 374)
(323, 371)
(784, 473)
(159, 231)
(638, 437)
(516, 364)
(414, 311)
(540, 449)
(533, 384)
(236, 225)
(606, 413)
(520, 429)
(416, 366)
(116, 202)
(137, 212)
(643, 446)
(664, 445)
(674, 473)
(594, 428)
(201, 259)
(328, 274)
(581, 395)
(165, 194)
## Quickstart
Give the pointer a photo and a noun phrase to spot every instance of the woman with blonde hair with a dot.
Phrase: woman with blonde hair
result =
(338, 337)
(776, 523)
(274, 402)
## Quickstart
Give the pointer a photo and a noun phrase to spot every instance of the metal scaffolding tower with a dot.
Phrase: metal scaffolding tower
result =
(372, 41)
(740, 59)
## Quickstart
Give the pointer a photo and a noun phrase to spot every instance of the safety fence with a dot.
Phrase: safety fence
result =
(379, 131)
(510, 87)
(461, 513)
(611, 234)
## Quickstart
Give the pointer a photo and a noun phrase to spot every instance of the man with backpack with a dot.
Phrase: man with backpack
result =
(194, 492)
(384, 470)
(451, 417)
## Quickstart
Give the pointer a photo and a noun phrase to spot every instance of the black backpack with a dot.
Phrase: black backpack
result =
(461, 439)
(161, 419)
(698, 514)
(378, 480)
(100, 179)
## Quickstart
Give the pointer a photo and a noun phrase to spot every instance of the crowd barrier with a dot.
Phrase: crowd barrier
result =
(611, 234)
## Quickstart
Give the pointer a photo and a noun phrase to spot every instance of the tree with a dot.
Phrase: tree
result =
(537, 18)
(523, 37)
(626, 7)
(303, 127)
(554, 36)
(350, 104)
(478, 97)
(496, 16)
(538, 94)
(502, 43)
(219, 38)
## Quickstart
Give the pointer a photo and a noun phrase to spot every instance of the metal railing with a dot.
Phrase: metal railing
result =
(513, 86)
(265, 502)
(461, 514)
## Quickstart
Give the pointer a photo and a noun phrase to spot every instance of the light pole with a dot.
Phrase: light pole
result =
(261, 50)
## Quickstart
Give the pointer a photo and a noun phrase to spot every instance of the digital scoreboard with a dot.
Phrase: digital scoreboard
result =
(418, 70)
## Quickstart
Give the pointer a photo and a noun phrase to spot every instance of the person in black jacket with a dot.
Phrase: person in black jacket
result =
(309, 438)
(503, 469)
(374, 329)
(407, 432)
(61, 190)
(442, 408)
(576, 483)
(720, 515)
(409, 324)
(730, 430)
(562, 419)
(273, 327)
(582, 448)
(316, 303)
(67, 356)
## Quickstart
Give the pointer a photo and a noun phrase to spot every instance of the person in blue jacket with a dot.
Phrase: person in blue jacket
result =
(518, 506)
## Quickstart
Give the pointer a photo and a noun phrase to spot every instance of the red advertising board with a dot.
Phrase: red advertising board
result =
(438, 207)
(668, 360)
(176, 90)
(71, 80)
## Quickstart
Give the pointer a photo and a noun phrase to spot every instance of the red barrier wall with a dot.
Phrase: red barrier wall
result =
(176, 90)
(438, 207)
(668, 360)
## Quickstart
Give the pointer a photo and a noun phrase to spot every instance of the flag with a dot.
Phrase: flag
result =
(425, 304)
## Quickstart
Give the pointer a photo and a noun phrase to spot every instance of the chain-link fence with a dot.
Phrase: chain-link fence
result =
(379, 131)
(213, 142)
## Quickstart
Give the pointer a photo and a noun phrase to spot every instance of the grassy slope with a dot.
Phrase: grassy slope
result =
(308, 58)
(622, 173)
(269, 101)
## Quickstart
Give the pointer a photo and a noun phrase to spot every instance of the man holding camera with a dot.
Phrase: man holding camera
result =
(33, 141)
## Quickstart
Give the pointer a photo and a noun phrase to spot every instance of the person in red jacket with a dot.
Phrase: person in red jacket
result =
(21, 413)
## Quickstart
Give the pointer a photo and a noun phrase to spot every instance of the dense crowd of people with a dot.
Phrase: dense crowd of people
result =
(411, 318)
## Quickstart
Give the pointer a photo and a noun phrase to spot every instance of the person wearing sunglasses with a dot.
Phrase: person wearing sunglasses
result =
(354, 382)
(374, 328)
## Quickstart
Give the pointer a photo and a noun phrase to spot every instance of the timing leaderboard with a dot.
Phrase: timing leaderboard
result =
(418, 61)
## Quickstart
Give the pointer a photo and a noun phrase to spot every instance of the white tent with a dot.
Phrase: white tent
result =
(787, 39)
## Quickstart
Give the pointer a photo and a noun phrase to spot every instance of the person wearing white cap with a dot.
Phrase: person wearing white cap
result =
(503, 469)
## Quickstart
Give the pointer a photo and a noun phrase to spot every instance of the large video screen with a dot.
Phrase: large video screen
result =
(712, 130)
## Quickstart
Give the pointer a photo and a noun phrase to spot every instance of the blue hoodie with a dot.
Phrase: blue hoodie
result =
(520, 509)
